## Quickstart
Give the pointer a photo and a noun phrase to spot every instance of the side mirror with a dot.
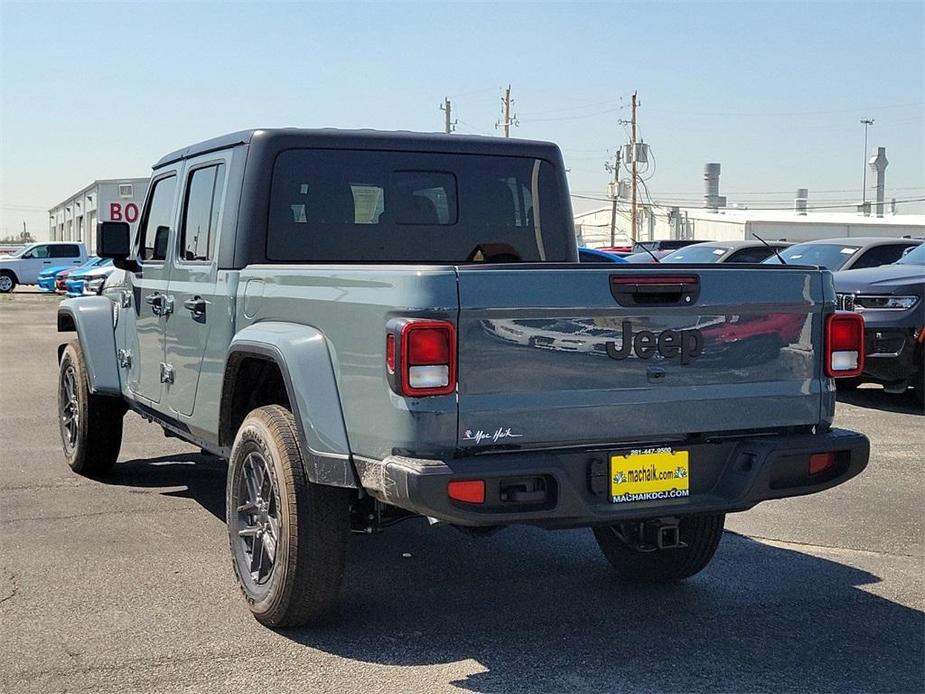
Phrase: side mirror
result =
(113, 240)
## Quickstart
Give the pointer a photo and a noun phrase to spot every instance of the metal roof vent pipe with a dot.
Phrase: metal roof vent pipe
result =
(712, 200)
(799, 203)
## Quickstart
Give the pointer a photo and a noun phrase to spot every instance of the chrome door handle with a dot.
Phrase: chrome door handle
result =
(197, 305)
(161, 305)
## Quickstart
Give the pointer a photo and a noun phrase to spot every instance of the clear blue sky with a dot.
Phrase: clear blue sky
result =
(773, 91)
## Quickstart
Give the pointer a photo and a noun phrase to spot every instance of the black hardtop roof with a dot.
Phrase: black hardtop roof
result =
(368, 139)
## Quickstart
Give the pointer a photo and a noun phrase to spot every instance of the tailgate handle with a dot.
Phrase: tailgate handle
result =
(651, 289)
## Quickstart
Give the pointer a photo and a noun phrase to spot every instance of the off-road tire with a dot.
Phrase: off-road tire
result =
(701, 534)
(313, 526)
(7, 282)
(92, 446)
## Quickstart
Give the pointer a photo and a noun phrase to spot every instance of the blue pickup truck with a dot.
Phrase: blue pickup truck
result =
(377, 326)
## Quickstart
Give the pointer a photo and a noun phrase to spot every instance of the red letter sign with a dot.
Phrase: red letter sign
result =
(115, 212)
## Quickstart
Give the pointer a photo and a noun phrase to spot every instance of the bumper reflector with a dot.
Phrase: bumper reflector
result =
(820, 462)
(468, 491)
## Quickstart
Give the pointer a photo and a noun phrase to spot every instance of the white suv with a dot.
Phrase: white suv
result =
(24, 266)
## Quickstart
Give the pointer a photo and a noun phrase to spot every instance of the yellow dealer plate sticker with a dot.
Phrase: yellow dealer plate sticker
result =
(649, 475)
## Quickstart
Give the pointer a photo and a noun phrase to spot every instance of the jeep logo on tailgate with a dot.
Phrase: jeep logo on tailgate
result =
(688, 344)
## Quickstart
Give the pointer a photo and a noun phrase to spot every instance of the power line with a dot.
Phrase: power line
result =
(778, 114)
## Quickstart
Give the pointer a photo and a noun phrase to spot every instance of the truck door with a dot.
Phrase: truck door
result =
(193, 277)
(32, 262)
(150, 303)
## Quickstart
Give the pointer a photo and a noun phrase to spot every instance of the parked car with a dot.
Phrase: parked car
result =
(95, 272)
(892, 300)
(595, 255)
(293, 303)
(46, 278)
(24, 266)
(846, 253)
(725, 252)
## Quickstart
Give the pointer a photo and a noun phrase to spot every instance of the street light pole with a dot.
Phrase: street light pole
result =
(866, 122)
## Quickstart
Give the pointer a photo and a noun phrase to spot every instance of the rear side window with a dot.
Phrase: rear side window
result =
(65, 250)
(154, 231)
(354, 206)
(881, 255)
(201, 212)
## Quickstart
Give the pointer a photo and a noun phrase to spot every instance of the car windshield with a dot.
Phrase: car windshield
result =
(830, 256)
(914, 257)
(696, 254)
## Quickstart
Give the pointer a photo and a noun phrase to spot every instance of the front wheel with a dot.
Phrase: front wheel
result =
(90, 424)
(7, 282)
(288, 535)
(699, 535)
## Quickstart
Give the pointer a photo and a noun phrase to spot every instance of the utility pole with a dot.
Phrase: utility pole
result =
(635, 176)
(866, 122)
(507, 119)
(449, 125)
(614, 192)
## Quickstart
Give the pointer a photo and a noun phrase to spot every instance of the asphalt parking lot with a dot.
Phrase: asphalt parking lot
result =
(126, 584)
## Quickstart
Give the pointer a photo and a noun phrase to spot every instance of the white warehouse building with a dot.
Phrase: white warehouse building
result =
(105, 200)
(729, 224)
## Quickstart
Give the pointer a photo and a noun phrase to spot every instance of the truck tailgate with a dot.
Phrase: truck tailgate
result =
(566, 356)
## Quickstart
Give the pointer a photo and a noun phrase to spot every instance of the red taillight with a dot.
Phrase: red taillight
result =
(844, 345)
(820, 462)
(421, 357)
(469, 491)
(428, 346)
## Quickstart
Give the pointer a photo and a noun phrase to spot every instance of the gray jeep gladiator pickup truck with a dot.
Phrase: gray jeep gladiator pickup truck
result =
(375, 326)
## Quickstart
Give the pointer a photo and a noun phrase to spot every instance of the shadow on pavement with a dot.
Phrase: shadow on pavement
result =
(879, 399)
(543, 611)
(201, 475)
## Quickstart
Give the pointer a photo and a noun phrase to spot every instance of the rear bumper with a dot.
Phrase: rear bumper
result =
(891, 355)
(725, 476)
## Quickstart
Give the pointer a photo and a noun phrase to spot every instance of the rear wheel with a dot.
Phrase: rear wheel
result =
(90, 424)
(699, 535)
(288, 536)
(7, 282)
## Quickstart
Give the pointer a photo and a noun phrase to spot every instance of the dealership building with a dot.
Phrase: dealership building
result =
(105, 200)
(700, 224)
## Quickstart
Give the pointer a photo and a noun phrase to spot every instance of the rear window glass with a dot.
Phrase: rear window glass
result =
(829, 256)
(350, 206)
(696, 254)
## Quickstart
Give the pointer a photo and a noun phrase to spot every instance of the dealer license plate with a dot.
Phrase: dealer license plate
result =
(650, 474)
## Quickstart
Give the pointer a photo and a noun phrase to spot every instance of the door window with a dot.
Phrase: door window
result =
(155, 227)
(37, 252)
(201, 212)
